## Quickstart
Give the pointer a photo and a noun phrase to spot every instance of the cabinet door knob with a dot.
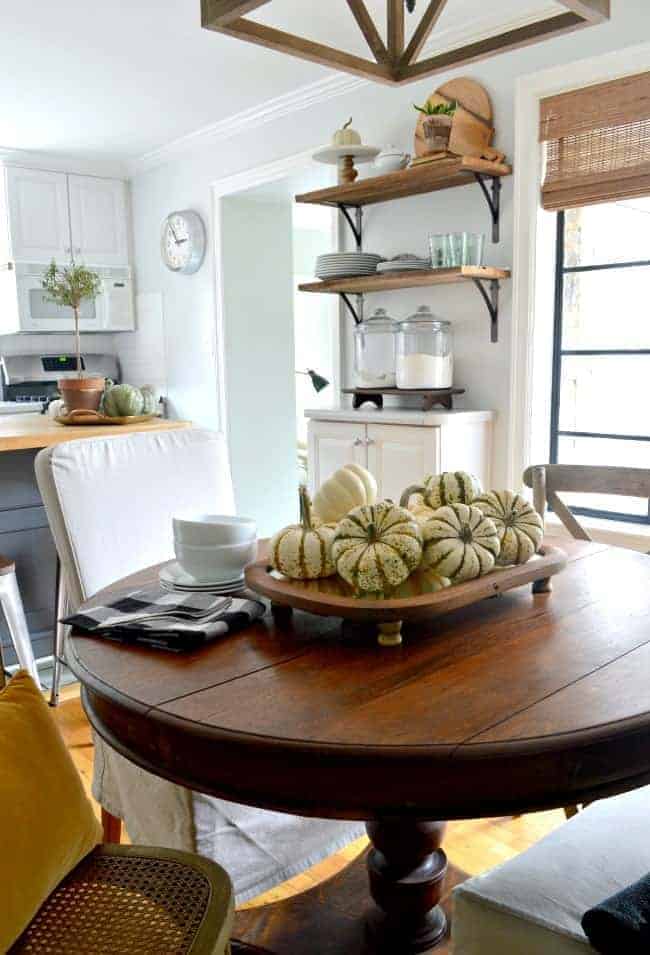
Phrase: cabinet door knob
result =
(368, 442)
(358, 442)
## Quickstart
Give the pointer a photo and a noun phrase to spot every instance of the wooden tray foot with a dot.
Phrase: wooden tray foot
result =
(544, 586)
(389, 634)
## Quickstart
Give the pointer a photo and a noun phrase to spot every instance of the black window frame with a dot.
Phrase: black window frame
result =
(559, 353)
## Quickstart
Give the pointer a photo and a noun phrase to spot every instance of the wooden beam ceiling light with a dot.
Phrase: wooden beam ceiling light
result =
(392, 63)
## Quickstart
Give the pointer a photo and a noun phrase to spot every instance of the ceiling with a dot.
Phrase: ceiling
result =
(100, 80)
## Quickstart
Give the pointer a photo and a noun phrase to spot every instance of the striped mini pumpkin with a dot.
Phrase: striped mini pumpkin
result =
(460, 542)
(438, 490)
(303, 551)
(377, 546)
(518, 524)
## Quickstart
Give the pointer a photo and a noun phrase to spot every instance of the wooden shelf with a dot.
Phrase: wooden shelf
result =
(385, 282)
(430, 177)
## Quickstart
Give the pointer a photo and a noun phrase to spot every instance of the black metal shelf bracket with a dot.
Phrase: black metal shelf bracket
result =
(355, 224)
(493, 199)
(356, 313)
(491, 300)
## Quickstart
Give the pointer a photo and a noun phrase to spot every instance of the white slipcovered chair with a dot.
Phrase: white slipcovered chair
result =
(533, 904)
(110, 503)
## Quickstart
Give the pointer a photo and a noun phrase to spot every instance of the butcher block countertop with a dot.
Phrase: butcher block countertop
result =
(19, 432)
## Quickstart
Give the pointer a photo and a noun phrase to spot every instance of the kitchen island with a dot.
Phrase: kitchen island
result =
(24, 532)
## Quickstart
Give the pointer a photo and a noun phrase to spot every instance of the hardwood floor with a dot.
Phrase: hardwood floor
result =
(473, 846)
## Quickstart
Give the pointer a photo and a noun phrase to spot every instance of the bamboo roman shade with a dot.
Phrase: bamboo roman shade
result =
(597, 143)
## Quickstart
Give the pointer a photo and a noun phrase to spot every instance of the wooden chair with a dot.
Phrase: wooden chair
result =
(546, 480)
(124, 899)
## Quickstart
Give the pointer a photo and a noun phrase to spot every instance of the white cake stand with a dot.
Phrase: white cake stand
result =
(345, 157)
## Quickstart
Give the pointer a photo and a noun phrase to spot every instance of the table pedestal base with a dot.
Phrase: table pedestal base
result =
(338, 916)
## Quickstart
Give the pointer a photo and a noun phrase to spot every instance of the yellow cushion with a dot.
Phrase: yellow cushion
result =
(47, 823)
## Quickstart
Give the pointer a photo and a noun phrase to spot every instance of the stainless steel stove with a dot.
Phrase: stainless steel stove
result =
(29, 381)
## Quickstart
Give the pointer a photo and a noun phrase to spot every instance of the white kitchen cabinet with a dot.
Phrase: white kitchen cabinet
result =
(332, 448)
(39, 219)
(98, 220)
(399, 447)
(396, 450)
(56, 215)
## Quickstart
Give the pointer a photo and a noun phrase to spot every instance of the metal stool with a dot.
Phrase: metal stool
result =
(12, 607)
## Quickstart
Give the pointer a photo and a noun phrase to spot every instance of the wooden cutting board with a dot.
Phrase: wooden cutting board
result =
(472, 130)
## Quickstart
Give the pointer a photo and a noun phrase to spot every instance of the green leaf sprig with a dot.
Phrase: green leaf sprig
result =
(440, 109)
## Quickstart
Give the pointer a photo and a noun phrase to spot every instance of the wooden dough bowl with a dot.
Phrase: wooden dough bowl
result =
(417, 599)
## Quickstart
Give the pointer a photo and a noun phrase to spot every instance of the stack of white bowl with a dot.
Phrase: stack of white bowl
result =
(214, 548)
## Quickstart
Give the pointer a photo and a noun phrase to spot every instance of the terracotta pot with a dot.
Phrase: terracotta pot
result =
(436, 131)
(83, 393)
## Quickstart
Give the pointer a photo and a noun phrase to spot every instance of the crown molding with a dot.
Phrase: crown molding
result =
(442, 41)
(273, 109)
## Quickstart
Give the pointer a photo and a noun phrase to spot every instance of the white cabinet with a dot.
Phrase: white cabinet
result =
(39, 220)
(332, 448)
(396, 451)
(403, 450)
(98, 220)
(54, 215)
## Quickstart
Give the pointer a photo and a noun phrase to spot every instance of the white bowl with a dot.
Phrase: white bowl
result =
(214, 529)
(211, 564)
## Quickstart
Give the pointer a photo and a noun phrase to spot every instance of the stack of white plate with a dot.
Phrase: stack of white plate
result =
(404, 263)
(339, 265)
(212, 551)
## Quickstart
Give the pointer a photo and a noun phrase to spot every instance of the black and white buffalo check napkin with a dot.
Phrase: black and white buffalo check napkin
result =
(170, 620)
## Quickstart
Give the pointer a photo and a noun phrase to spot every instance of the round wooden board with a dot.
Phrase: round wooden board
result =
(418, 598)
(94, 418)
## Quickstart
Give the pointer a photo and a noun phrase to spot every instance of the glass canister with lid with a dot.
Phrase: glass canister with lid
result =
(424, 351)
(374, 351)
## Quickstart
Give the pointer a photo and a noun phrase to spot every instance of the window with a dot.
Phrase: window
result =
(600, 406)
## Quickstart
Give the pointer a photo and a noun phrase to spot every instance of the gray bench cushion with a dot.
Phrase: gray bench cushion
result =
(533, 904)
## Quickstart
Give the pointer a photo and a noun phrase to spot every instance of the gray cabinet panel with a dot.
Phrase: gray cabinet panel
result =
(25, 538)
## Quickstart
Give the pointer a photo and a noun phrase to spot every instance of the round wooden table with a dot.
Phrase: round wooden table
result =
(517, 703)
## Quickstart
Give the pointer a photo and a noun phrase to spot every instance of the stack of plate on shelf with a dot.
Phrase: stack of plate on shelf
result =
(340, 265)
(404, 263)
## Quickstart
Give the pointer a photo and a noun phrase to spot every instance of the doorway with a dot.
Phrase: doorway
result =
(272, 337)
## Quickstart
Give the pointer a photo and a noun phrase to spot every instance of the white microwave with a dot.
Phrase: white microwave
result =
(111, 311)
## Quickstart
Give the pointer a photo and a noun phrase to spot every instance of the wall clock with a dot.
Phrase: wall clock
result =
(182, 242)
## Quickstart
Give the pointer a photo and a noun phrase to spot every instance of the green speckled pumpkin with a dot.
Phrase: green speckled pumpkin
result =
(303, 551)
(377, 546)
(123, 400)
(518, 524)
(460, 542)
(437, 490)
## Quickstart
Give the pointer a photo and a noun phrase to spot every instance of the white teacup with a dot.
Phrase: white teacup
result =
(212, 564)
(204, 530)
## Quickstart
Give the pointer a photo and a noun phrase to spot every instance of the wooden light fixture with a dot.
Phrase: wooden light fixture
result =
(394, 61)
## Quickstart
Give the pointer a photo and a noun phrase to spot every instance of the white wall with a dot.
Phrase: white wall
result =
(383, 115)
(257, 257)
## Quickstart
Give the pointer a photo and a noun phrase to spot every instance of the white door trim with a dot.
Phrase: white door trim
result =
(530, 90)
(221, 188)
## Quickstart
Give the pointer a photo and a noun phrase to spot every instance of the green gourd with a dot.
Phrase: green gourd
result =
(126, 400)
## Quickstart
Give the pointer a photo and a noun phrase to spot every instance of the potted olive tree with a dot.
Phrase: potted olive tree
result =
(70, 286)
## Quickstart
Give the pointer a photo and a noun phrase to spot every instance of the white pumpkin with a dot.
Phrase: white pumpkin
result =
(303, 551)
(377, 546)
(518, 524)
(346, 136)
(56, 408)
(349, 487)
(460, 542)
